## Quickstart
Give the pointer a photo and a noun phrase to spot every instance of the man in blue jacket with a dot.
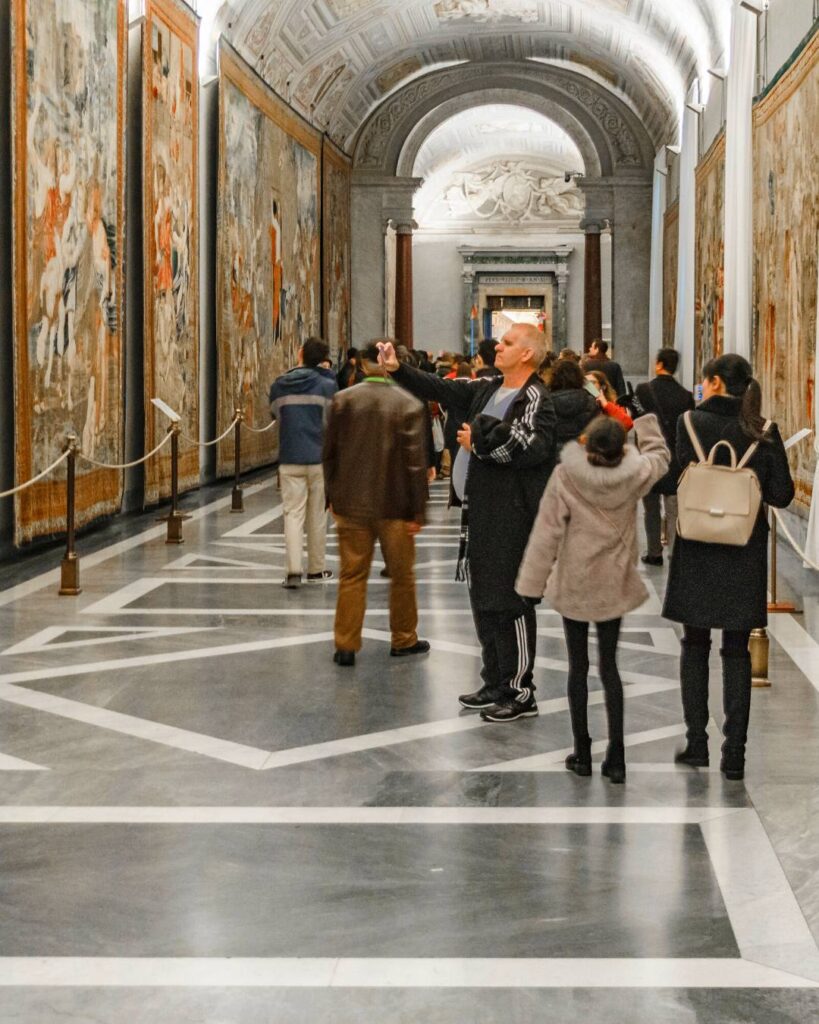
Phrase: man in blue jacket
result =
(300, 401)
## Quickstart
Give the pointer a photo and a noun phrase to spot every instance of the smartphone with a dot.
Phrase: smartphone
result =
(592, 389)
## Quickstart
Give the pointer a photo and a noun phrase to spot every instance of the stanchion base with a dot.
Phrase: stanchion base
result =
(70, 577)
(759, 646)
(237, 503)
(783, 606)
(174, 521)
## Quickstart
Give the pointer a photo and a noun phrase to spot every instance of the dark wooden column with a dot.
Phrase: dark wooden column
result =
(593, 295)
(403, 285)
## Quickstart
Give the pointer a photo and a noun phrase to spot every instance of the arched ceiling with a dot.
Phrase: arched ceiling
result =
(497, 163)
(336, 60)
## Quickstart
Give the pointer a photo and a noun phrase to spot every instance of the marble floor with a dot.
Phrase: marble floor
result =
(203, 819)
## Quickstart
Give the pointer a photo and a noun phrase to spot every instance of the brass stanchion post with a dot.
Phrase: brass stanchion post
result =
(237, 496)
(760, 647)
(174, 518)
(70, 567)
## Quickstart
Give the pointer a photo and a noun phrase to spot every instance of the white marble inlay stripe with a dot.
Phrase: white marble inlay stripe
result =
(299, 972)
(551, 761)
(259, 815)
(798, 644)
(44, 639)
(251, 527)
(46, 579)
(16, 764)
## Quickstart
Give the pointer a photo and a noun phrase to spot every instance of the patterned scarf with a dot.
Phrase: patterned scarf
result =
(462, 570)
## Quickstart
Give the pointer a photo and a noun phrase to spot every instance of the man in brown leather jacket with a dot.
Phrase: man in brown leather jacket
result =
(375, 474)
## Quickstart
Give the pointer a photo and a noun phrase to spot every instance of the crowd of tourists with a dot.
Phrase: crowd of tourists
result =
(536, 449)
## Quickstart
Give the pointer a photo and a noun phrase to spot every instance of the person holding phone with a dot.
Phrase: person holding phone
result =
(597, 384)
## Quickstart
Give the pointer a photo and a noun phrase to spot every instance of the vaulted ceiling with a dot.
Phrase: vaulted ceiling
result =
(335, 60)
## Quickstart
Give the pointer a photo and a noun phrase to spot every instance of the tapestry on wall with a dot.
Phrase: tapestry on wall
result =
(709, 260)
(269, 271)
(336, 245)
(786, 213)
(68, 176)
(671, 244)
(170, 153)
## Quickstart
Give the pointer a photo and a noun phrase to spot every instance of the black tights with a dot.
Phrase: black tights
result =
(577, 642)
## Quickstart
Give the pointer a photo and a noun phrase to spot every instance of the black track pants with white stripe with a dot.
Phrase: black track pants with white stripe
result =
(508, 640)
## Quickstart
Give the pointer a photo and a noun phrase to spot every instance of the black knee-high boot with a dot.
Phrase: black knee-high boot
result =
(694, 691)
(736, 699)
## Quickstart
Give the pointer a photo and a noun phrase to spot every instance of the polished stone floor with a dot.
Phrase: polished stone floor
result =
(202, 819)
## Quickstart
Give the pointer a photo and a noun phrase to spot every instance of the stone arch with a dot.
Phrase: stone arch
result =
(608, 134)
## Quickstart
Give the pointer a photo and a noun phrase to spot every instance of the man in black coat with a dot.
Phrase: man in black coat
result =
(668, 399)
(598, 359)
(507, 448)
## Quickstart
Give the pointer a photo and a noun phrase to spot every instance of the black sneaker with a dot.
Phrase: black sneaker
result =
(319, 577)
(292, 582)
(652, 559)
(510, 710)
(486, 697)
(421, 647)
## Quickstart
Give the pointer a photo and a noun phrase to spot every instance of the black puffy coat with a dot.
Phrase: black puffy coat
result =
(510, 466)
(575, 409)
(717, 586)
(669, 400)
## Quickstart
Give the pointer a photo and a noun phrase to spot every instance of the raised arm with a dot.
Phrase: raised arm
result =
(456, 396)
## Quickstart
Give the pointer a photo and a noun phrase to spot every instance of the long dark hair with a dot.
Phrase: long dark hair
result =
(738, 376)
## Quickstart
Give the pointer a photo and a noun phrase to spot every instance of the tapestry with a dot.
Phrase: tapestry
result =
(671, 246)
(336, 243)
(709, 259)
(171, 232)
(69, 217)
(786, 215)
(269, 260)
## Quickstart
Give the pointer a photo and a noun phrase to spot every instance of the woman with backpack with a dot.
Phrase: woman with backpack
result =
(583, 541)
(724, 585)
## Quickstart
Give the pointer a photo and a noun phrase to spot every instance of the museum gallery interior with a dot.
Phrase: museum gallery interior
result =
(202, 817)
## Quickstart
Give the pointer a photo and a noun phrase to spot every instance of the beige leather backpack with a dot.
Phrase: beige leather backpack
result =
(718, 504)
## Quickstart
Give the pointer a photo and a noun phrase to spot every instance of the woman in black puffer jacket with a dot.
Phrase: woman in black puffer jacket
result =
(574, 405)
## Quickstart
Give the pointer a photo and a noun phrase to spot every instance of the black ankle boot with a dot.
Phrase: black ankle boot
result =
(736, 700)
(694, 691)
(580, 761)
(614, 766)
(695, 755)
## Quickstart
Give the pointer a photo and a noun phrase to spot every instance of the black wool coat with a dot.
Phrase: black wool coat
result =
(669, 400)
(509, 468)
(575, 409)
(717, 586)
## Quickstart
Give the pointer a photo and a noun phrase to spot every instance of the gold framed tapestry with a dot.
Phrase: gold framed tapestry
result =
(170, 125)
(336, 246)
(709, 258)
(269, 250)
(671, 246)
(69, 62)
(786, 215)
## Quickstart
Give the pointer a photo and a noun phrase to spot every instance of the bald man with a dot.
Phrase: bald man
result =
(505, 458)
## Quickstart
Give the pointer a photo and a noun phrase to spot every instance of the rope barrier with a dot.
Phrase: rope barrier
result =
(260, 430)
(28, 483)
(125, 465)
(216, 440)
(793, 544)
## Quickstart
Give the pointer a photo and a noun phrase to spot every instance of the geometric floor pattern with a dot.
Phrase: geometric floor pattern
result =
(202, 818)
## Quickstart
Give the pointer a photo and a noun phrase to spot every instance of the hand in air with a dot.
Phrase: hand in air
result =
(464, 436)
(387, 356)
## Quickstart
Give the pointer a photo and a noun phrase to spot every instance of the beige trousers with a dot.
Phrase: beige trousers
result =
(303, 499)
(356, 542)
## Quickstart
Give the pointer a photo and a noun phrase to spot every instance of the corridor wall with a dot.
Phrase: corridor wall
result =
(269, 267)
(786, 222)
(68, 95)
(170, 151)
(671, 255)
(709, 258)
